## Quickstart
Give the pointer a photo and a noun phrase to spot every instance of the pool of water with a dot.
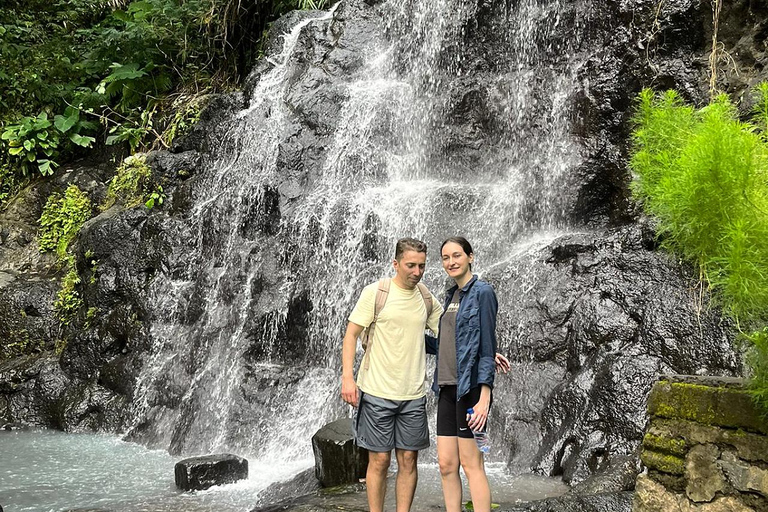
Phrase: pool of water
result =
(49, 471)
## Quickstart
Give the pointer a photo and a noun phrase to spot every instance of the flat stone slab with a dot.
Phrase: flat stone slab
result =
(709, 404)
(199, 473)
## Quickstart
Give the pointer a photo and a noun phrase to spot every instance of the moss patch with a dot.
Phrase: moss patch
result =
(663, 462)
(663, 444)
(720, 406)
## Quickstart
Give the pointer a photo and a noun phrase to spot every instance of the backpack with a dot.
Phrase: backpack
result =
(381, 298)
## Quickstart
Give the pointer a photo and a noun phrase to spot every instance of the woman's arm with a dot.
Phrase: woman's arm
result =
(488, 308)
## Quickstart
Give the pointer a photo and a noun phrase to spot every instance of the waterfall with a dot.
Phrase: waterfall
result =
(427, 141)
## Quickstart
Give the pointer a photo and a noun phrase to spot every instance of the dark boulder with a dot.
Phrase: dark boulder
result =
(199, 473)
(338, 460)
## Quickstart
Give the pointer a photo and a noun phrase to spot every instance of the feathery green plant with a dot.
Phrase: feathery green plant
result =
(704, 174)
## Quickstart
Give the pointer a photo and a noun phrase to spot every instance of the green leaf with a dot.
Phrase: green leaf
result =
(15, 151)
(45, 167)
(113, 139)
(150, 203)
(124, 72)
(29, 144)
(63, 124)
(121, 15)
(81, 140)
(31, 157)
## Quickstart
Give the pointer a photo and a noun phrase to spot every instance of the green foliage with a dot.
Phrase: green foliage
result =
(704, 174)
(156, 197)
(757, 358)
(19, 343)
(10, 183)
(69, 63)
(62, 217)
(36, 141)
(187, 113)
(131, 183)
(68, 300)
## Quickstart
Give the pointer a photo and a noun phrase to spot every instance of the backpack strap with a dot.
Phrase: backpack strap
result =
(367, 339)
(427, 298)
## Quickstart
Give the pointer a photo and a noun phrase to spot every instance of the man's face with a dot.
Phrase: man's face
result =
(410, 267)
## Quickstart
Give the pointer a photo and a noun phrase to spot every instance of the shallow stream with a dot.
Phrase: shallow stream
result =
(47, 471)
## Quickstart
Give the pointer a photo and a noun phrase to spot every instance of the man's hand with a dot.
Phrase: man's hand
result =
(349, 392)
(502, 364)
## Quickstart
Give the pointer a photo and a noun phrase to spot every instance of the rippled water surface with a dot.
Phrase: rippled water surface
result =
(53, 471)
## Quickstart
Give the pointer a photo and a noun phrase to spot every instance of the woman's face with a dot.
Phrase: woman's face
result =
(455, 260)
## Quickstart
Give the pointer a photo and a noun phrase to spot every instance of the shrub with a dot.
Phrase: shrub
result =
(704, 174)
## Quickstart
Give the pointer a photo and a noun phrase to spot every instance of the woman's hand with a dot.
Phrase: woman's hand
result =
(502, 363)
(477, 420)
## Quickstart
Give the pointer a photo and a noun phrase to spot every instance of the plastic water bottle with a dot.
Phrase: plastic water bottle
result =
(481, 438)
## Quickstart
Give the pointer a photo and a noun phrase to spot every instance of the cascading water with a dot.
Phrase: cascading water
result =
(427, 142)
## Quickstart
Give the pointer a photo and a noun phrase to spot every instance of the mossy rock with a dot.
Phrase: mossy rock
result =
(663, 462)
(672, 446)
(709, 405)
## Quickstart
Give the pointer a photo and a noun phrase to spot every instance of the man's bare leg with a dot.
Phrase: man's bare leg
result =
(407, 477)
(376, 479)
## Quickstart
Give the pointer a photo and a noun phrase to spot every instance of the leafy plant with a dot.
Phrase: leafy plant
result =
(130, 184)
(704, 174)
(68, 300)
(36, 141)
(62, 217)
(156, 197)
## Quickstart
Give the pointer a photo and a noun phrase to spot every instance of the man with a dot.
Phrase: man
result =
(390, 391)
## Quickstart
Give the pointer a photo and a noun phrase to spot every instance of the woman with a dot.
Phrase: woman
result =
(466, 348)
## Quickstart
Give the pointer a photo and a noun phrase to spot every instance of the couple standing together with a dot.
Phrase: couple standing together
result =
(389, 392)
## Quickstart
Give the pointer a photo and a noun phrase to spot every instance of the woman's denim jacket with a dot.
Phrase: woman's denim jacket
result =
(475, 336)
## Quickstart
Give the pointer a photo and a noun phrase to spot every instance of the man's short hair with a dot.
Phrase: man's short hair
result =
(409, 244)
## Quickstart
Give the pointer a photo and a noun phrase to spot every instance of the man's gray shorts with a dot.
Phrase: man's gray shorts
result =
(382, 424)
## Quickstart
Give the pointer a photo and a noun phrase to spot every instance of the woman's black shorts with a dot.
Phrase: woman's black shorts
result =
(452, 415)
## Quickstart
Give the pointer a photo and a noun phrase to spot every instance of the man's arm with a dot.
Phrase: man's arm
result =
(348, 387)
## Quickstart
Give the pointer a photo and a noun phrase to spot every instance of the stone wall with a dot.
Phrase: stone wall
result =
(705, 448)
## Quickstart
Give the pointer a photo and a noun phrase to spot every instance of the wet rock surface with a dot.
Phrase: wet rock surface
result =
(200, 473)
(599, 316)
(338, 460)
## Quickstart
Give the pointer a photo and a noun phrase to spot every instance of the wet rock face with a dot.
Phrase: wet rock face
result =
(597, 318)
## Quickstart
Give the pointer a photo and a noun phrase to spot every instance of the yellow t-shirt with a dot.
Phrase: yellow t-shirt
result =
(397, 368)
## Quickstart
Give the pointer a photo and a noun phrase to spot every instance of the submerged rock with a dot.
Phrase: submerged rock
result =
(199, 473)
